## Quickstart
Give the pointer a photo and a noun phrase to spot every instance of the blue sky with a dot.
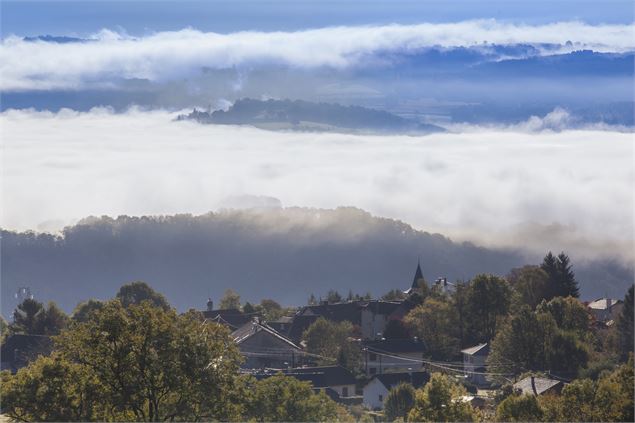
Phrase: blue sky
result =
(28, 18)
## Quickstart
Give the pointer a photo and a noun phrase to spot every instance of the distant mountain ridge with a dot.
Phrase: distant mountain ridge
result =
(307, 116)
(284, 254)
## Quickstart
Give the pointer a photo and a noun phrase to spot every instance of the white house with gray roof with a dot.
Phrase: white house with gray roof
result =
(474, 363)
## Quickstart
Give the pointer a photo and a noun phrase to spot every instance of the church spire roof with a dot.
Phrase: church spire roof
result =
(418, 275)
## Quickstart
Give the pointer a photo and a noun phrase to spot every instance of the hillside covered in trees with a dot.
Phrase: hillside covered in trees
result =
(308, 116)
(280, 253)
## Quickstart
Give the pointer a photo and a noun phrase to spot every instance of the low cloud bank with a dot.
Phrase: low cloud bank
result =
(570, 190)
(109, 57)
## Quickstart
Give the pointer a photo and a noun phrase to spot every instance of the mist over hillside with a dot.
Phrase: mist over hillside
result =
(307, 116)
(284, 254)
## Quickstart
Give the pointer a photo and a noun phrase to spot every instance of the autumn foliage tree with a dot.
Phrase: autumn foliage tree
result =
(441, 401)
(435, 323)
(150, 364)
(399, 402)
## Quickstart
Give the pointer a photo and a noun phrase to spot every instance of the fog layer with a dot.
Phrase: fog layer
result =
(523, 186)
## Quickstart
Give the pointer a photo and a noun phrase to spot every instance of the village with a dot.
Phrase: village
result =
(357, 350)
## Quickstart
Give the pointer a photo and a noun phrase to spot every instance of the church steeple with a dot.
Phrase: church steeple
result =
(418, 275)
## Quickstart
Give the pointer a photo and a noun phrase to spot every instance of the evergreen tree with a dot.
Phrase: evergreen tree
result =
(561, 281)
(32, 318)
(26, 317)
(625, 324)
(248, 308)
(333, 297)
(549, 265)
(567, 282)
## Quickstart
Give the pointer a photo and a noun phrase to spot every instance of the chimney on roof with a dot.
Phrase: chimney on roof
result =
(210, 304)
(533, 385)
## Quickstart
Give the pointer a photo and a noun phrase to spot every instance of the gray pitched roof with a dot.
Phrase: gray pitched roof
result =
(324, 376)
(231, 317)
(382, 307)
(603, 303)
(481, 349)
(390, 380)
(249, 329)
(541, 384)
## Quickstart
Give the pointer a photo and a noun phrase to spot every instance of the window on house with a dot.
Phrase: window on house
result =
(372, 370)
(345, 391)
(372, 357)
(381, 398)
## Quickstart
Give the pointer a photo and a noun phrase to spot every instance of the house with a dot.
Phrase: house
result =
(605, 309)
(339, 312)
(336, 378)
(474, 363)
(370, 317)
(392, 355)
(337, 382)
(474, 400)
(299, 324)
(443, 286)
(230, 317)
(533, 385)
(376, 314)
(377, 389)
(263, 347)
(281, 325)
(19, 350)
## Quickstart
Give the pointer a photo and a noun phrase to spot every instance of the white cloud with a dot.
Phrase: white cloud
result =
(570, 190)
(557, 120)
(169, 55)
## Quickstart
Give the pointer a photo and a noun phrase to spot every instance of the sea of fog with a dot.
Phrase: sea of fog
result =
(521, 186)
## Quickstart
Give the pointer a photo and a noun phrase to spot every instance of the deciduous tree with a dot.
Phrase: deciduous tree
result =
(532, 341)
(399, 402)
(569, 314)
(285, 399)
(154, 364)
(230, 300)
(396, 329)
(441, 401)
(85, 309)
(519, 408)
(434, 322)
(531, 283)
(488, 299)
(137, 292)
(326, 338)
(53, 389)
